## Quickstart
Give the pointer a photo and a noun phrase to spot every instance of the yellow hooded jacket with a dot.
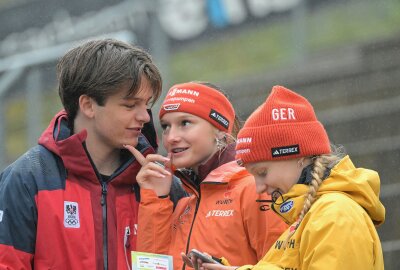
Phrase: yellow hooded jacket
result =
(338, 232)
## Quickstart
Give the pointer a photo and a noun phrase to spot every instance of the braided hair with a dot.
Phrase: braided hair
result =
(320, 165)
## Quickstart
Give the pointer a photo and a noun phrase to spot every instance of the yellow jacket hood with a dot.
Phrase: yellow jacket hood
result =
(361, 185)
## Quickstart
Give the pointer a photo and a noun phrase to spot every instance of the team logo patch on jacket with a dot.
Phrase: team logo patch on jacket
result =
(71, 215)
(286, 207)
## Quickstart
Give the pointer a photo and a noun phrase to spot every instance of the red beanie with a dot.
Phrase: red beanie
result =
(202, 101)
(283, 127)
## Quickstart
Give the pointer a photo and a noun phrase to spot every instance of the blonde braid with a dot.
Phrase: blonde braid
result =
(320, 165)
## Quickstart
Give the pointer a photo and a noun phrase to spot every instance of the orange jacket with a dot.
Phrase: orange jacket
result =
(222, 219)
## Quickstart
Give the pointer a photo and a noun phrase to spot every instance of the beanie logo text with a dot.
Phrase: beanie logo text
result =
(175, 91)
(171, 107)
(244, 140)
(219, 118)
(283, 114)
(285, 150)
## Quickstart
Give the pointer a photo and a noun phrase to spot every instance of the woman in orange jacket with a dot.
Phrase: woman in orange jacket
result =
(222, 213)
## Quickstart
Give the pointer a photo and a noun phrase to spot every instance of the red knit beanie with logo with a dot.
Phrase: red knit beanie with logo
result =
(202, 101)
(283, 127)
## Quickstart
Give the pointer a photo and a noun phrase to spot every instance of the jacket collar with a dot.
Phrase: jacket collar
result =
(216, 161)
(359, 184)
(59, 139)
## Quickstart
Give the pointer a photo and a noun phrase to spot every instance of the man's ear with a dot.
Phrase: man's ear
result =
(86, 106)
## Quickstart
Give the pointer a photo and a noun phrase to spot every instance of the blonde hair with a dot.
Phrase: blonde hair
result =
(320, 165)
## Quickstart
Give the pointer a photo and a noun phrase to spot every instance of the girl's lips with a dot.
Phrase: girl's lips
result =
(178, 149)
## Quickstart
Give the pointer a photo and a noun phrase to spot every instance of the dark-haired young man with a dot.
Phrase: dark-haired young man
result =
(71, 201)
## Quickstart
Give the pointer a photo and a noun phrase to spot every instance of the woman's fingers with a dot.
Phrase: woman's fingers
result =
(136, 153)
(157, 168)
(186, 260)
(155, 172)
(159, 159)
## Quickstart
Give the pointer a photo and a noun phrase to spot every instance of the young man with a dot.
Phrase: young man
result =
(71, 202)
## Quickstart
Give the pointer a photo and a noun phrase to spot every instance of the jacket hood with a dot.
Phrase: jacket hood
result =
(218, 159)
(59, 139)
(359, 184)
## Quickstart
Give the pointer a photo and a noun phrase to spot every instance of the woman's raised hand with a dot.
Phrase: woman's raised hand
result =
(156, 172)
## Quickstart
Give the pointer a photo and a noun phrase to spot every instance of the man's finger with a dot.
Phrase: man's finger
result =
(136, 153)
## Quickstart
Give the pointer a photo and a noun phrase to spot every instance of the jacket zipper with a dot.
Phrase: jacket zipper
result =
(104, 211)
(191, 226)
(126, 245)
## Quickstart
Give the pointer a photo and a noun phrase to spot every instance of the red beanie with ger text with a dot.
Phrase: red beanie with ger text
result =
(283, 127)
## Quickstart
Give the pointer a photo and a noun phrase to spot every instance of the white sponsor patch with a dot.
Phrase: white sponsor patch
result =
(171, 107)
(71, 215)
(1, 215)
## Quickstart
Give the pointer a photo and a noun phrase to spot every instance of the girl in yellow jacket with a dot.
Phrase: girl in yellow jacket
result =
(332, 207)
(221, 213)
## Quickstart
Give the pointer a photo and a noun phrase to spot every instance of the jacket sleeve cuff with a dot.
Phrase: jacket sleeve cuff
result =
(148, 196)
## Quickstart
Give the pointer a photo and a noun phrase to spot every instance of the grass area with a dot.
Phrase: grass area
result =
(273, 45)
(16, 117)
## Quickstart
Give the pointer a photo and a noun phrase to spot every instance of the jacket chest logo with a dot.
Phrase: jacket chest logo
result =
(71, 215)
(220, 213)
(228, 191)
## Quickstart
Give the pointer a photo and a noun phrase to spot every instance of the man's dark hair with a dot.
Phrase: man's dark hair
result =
(98, 68)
